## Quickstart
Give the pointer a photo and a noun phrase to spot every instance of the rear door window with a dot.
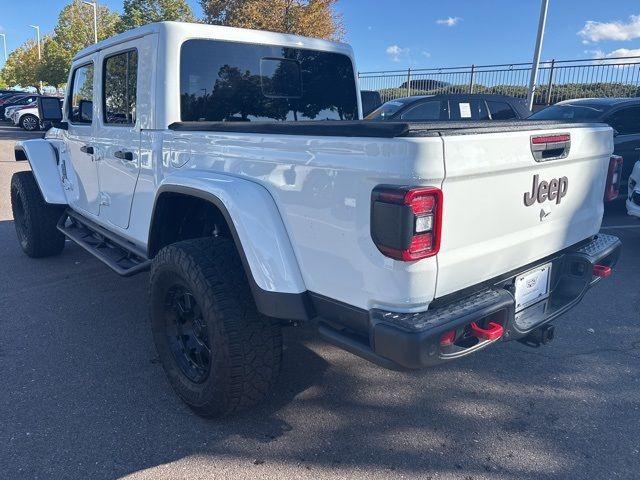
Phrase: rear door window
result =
(120, 88)
(626, 121)
(425, 111)
(501, 111)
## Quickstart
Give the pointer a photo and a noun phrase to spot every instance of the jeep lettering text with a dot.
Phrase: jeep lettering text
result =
(556, 189)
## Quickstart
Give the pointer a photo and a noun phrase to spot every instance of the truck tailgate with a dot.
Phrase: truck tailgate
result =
(490, 226)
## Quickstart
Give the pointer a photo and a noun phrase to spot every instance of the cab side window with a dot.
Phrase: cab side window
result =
(626, 121)
(81, 96)
(120, 88)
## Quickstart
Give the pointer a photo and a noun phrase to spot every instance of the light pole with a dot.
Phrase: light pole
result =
(4, 40)
(95, 20)
(37, 27)
(536, 53)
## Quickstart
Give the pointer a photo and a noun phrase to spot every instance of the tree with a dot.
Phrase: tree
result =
(54, 67)
(22, 66)
(313, 18)
(141, 12)
(74, 30)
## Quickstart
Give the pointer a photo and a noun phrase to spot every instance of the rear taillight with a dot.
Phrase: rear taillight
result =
(612, 187)
(406, 221)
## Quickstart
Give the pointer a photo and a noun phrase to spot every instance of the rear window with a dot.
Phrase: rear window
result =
(227, 81)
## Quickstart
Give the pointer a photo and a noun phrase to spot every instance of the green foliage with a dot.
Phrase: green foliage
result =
(54, 67)
(312, 18)
(74, 30)
(559, 93)
(22, 66)
(140, 12)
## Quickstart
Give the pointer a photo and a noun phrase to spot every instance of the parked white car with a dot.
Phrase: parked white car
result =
(633, 199)
(250, 188)
(9, 111)
(27, 118)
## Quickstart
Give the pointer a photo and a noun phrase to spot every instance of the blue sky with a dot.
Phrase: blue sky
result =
(425, 33)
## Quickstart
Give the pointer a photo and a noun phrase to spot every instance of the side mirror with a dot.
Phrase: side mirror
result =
(86, 110)
(49, 109)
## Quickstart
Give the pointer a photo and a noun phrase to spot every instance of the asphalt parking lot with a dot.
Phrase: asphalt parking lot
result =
(82, 394)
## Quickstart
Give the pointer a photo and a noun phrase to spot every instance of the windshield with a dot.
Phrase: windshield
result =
(570, 112)
(386, 110)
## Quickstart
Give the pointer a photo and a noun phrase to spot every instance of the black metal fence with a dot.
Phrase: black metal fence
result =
(557, 80)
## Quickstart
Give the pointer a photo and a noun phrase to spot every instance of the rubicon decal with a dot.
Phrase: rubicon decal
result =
(555, 189)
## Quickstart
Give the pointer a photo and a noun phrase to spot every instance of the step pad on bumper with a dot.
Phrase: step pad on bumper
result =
(469, 306)
(596, 248)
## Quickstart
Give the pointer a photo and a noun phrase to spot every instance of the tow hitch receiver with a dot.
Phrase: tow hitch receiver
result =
(540, 336)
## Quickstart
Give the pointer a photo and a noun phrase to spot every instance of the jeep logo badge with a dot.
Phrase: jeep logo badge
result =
(555, 189)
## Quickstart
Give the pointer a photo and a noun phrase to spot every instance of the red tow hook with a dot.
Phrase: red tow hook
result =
(494, 331)
(602, 271)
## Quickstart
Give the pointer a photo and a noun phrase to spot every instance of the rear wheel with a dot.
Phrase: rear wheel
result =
(219, 353)
(30, 123)
(35, 220)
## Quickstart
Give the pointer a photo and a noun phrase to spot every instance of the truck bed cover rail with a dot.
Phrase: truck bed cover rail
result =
(360, 128)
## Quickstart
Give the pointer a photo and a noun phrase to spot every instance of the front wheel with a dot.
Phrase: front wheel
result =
(220, 355)
(35, 220)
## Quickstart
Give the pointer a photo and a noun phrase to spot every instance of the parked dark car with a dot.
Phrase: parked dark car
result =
(371, 100)
(17, 100)
(454, 106)
(622, 114)
(5, 97)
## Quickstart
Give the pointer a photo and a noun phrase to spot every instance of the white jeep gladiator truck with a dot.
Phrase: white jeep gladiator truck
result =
(234, 165)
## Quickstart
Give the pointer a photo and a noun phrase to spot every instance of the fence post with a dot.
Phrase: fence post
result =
(550, 86)
(473, 70)
(409, 82)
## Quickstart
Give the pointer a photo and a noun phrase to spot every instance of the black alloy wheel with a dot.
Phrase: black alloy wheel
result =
(187, 334)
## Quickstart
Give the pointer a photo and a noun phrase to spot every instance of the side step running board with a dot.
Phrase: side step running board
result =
(120, 255)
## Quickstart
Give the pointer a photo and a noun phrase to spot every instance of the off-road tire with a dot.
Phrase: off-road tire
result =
(246, 347)
(27, 124)
(35, 220)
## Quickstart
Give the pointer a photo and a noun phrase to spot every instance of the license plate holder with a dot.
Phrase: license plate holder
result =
(532, 286)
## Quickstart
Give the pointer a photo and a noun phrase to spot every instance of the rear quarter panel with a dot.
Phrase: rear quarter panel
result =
(322, 187)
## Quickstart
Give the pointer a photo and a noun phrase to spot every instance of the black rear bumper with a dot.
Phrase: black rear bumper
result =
(415, 340)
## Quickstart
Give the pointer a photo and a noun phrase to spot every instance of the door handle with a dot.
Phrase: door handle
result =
(86, 149)
(122, 155)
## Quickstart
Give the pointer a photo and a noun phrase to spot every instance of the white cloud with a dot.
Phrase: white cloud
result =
(596, 31)
(426, 54)
(397, 53)
(620, 54)
(449, 21)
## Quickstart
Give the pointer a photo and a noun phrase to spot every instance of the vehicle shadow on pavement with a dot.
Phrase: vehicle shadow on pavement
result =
(85, 397)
